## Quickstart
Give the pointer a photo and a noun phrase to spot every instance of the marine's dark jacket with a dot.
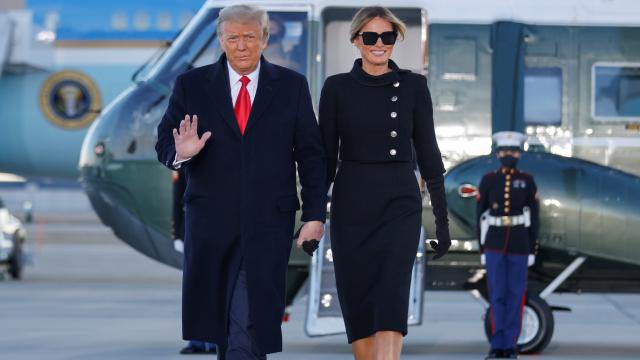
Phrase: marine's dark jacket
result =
(521, 191)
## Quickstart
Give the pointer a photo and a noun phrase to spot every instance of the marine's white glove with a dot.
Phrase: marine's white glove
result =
(531, 260)
(483, 259)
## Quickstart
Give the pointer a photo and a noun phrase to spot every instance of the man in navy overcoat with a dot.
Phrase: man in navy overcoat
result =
(238, 128)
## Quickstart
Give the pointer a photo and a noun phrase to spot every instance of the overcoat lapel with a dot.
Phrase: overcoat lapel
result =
(264, 94)
(220, 91)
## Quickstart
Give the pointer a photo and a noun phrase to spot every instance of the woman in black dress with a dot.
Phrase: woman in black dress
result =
(376, 117)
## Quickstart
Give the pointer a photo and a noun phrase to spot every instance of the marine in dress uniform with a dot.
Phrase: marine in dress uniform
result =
(507, 212)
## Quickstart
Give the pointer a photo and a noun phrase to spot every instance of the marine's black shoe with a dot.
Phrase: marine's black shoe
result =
(196, 350)
(511, 354)
(495, 354)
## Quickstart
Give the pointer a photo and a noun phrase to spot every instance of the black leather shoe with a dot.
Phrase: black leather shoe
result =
(495, 354)
(195, 350)
(511, 354)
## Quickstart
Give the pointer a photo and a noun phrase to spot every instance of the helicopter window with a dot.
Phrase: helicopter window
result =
(543, 96)
(208, 55)
(616, 92)
(186, 48)
(459, 59)
(287, 44)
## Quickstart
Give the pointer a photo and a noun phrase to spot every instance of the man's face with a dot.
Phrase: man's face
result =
(243, 43)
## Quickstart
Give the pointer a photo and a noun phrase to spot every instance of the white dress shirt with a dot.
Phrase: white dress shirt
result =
(235, 85)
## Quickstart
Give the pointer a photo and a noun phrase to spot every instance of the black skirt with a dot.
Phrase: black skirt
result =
(375, 229)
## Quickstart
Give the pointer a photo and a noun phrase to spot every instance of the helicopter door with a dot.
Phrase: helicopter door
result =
(324, 316)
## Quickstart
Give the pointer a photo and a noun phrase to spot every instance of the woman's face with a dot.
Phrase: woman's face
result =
(379, 53)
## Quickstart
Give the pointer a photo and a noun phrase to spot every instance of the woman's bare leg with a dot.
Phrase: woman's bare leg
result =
(387, 345)
(363, 348)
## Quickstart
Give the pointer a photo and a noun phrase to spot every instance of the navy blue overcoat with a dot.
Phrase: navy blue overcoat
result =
(241, 195)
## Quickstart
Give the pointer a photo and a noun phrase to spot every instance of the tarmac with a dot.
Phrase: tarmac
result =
(87, 295)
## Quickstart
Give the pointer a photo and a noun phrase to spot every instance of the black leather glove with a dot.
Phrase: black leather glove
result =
(444, 243)
(437, 194)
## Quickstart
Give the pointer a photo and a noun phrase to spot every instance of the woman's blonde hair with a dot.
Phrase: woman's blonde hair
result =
(364, 15)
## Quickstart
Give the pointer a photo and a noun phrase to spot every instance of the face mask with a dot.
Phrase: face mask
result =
(509, 161)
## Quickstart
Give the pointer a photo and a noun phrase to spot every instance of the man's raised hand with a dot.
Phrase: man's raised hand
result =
(188, 144)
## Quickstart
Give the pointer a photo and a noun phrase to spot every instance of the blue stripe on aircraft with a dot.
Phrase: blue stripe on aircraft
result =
(114, 19)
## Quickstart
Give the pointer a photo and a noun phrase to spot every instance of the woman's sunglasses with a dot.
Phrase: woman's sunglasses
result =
(371, 38)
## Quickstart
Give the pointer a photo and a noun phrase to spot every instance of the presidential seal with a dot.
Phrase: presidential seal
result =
(70, 99)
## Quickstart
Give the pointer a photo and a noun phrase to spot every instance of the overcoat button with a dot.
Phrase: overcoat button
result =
(396, 84)
(394, 114)
(393, 152)
(394, 134)
(394, 98)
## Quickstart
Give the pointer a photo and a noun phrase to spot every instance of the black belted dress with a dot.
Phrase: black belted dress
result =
(379, 127)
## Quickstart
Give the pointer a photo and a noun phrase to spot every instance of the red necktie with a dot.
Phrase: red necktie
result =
(243, 105)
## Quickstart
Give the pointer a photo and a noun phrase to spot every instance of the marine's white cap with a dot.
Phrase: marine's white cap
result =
(509, 139)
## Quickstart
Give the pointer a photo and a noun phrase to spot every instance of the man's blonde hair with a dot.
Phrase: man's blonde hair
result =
(245, 14)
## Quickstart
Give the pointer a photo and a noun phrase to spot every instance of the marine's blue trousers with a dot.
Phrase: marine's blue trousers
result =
(506, 284)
